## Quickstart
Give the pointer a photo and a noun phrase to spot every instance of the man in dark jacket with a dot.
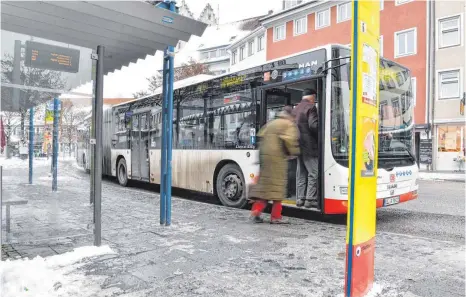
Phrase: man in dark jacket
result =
(306, 119)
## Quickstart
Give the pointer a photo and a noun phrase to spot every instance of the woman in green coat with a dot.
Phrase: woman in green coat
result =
(278, 143)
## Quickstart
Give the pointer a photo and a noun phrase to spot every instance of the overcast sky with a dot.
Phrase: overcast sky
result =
(234, 10)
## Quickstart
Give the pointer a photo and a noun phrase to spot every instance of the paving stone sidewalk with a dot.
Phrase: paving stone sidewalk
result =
(212, 250)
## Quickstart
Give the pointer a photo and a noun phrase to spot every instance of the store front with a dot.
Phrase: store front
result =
(450, 147)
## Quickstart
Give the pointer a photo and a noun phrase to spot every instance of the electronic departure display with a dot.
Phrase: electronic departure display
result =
(51, 57)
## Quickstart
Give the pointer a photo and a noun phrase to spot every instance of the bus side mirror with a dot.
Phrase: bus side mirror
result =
(114, 141)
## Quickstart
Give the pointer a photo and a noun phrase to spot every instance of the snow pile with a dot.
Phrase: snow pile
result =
(376, 291)
(51, 276)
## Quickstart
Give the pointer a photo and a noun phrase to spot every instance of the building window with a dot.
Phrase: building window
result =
(204, 55)
(381, 45)
(405, 42)
(449, 84)
(213, 54)
(450, 138)
(449, 32)
(260, 43)
(381, 4)
(251, 47)
(300, 26)
(323, 18)
(242, 51)
(414, 89)
(400, 2)
(279, 33)
(344, 12)
(291, 3)
(234, 57)
(223, 52)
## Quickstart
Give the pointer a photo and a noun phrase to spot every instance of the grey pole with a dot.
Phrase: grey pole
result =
(56, 111)
(92, 136)
(17, 77)
(99, 81)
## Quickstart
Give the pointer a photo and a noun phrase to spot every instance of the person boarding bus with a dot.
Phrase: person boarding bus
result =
(278, 143)
(306, 118)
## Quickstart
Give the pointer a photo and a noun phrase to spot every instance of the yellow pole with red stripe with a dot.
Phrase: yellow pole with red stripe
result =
(364, 123)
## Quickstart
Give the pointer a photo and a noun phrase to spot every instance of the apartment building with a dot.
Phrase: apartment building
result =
(315, 23)
(248, 51)
(448, 84)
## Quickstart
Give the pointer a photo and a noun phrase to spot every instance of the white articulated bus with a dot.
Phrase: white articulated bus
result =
(215, 121)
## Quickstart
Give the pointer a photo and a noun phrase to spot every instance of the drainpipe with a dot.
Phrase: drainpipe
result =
(431, 76)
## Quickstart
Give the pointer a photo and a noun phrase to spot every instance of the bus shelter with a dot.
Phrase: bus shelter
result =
(116, 32)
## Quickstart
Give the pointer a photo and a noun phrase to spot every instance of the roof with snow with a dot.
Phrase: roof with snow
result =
(291, 10)
(177, 85)
(225, 34)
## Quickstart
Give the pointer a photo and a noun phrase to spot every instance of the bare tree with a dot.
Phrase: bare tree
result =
(10, 122)
(33, 77)
(71, 117)
(140, 94)
(189, 69)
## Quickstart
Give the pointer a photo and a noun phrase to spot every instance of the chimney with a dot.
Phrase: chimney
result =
(270, 12)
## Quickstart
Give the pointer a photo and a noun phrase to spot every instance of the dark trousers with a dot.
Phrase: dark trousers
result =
(307, 178)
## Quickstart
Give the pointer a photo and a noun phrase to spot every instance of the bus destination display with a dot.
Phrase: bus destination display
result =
(46, 56)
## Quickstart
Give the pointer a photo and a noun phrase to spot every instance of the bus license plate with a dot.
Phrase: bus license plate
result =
(391, 201)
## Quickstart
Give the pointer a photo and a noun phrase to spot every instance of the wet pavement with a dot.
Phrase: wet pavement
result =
(211, 250)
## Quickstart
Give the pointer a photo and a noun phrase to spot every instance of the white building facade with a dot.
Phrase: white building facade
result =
(248, 51)
(449, 82)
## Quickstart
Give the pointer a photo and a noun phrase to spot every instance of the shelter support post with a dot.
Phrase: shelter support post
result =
(167, 127)
(31, 143)
(56, 103)
(163, 176)
(92, 135)
(17, 77)
(97, 142)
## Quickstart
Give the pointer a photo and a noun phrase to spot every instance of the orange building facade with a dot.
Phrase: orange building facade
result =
(403, 34)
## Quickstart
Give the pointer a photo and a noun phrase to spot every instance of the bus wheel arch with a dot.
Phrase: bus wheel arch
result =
(121, 171)
(229, 184)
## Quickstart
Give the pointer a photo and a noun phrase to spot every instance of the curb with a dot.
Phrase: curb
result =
(441, 180)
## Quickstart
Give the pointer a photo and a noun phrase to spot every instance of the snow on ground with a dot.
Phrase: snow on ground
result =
(15, 162)
(52, 276)
(442, 176)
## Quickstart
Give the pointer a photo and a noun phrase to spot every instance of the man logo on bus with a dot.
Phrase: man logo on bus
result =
(392, 178)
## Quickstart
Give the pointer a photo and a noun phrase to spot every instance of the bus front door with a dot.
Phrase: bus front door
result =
(273, 100)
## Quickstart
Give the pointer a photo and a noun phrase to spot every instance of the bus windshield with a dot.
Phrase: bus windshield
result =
(396, 125)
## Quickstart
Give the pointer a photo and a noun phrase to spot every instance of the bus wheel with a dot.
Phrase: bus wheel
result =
(122, 175)
(230, 186)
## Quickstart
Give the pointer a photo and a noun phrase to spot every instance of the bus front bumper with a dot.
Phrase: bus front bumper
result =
(335, 206)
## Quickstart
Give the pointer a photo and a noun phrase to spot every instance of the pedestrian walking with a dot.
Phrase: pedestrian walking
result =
(306, 119)
(278, 143)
